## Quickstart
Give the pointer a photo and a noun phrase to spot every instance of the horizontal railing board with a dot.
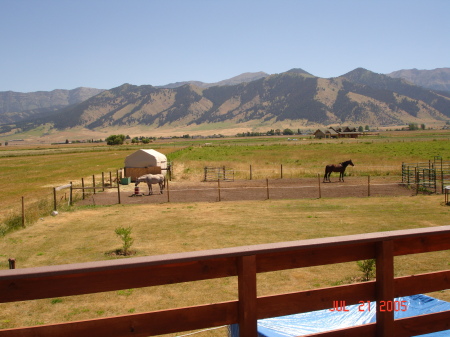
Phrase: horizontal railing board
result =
(138, 325)
(101, 280)
(418, 233)
(422, 324)
(311, 300)
(422, 283)
(32, 283)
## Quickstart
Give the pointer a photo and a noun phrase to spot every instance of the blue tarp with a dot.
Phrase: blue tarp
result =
(325, 320)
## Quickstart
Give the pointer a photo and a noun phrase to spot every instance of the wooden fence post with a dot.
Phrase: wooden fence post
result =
(267, 187)
(218, 187)
(247, 296)
(93, 182)
(168, 190)
(320, 192)
(54, 199)
(281, 171)
(368, 186)
(118, 187)
(12, 263)
(71, 194)
(385, 288)
(250, 172)
(23, 212)
(82, 186)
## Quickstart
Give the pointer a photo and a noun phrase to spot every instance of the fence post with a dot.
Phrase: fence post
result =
(250, 172)
(71, 194)
(281, 171)
(82, 186)
(54, 199)
(168, 190)
(12, 263)
(318, 179)
(368, 186)
(93, 182)
(247, 296)
(118, 187)
(267, 186)
(384, 288)
(218, 187)
(23, 213)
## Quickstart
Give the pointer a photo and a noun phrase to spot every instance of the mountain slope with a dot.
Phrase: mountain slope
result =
(245, 77)
(436, 79)
(359, 97)
(17, 106)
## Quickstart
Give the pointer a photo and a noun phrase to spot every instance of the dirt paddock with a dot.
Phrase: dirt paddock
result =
(303, 188)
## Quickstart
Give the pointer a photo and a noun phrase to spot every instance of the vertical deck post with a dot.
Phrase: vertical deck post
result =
(247, 296)
(385, 288)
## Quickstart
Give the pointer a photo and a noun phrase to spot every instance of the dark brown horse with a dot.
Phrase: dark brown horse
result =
(336, 168)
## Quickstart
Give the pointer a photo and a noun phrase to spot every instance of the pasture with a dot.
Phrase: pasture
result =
(179, 227)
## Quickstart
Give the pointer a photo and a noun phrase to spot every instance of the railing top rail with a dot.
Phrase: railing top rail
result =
(175, 258)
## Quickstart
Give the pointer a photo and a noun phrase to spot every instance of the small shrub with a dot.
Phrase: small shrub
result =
(368, 269)
(125, 235)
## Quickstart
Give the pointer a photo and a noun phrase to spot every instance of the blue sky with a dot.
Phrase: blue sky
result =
(62, 44)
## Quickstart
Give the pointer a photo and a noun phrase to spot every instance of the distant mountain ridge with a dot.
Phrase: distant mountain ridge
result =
(436, 79)
(359, 97)
(245, 77)
(17, 106)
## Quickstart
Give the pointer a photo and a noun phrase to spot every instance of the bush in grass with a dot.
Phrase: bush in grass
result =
(368, 268)
(125, 235)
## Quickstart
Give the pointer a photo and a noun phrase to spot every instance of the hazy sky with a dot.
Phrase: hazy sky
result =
(65, 44)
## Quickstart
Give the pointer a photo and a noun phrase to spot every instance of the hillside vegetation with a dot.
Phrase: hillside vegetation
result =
(360, 97)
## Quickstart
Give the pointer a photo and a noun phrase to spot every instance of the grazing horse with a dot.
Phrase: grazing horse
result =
(152, 179)
(336, 168)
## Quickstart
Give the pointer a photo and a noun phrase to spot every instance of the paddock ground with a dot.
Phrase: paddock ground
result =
(302, 188)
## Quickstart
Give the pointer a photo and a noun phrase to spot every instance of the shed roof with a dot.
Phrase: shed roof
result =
(146, 158)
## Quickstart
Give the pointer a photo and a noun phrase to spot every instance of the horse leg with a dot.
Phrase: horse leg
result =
(150, 191)
(325, 176)
(161, 187)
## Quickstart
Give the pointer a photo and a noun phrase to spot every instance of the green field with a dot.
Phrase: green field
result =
(170, 228)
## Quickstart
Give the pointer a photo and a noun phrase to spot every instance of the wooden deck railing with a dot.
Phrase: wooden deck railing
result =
(244, 262)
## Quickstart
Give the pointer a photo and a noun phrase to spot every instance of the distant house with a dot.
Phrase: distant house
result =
(332, 132)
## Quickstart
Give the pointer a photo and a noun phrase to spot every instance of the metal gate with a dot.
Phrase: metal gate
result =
(218, 173)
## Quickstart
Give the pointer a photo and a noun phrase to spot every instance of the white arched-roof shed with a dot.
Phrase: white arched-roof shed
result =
(144, 162)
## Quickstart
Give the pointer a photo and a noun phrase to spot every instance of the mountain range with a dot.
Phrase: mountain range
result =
(295, 97)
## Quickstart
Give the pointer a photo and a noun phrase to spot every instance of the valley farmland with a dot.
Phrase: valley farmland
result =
(85, 231)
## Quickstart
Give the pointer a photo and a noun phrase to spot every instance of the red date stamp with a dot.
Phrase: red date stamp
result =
(368, 306)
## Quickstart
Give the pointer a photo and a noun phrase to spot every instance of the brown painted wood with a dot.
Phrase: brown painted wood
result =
(317, 299)
(144, 324)
(316, 256)
(423, 283)
(247, 296)
(422, 244)
(419, 325)
(52, 283)
(385, 288)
